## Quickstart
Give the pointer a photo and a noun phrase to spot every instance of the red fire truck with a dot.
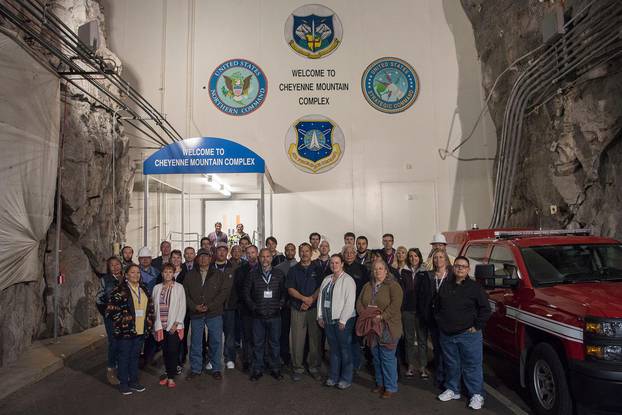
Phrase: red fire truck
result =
(556, 298)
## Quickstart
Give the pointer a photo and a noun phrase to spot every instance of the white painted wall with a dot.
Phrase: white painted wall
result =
(170, 48)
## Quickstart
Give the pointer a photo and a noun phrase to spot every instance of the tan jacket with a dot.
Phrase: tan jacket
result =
(389, 302)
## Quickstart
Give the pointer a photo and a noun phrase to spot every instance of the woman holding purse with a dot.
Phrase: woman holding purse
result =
(169, 299)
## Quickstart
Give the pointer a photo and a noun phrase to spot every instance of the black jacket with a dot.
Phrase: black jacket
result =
(459, 307)
(408, 281)
(323, 268)
(255, 288)
(239, 280)
(425, 295)
(359, 273)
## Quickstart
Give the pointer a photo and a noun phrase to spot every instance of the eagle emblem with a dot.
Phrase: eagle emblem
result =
(238, 87)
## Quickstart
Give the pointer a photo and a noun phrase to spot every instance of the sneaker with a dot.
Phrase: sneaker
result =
(329, 382)
(476, 402)
(112, 376)
(296, 377)
(163, 382)
(209, 366)
(276, 374)
(256, 376)
(217, 376)
(180, 370)
(137, 387)
(343, 385)
(230, 365)
(448, 395)
(125, 390)
(192, 375)
(171, 384)
(315, 375)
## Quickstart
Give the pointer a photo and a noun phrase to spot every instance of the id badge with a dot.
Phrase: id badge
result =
(140, 313)
(267, 294)
(326, 303)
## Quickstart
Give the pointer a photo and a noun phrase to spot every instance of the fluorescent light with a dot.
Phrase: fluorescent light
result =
(217, 184)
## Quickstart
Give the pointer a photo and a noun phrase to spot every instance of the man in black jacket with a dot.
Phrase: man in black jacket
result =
(461, 312)
(242, 274)
(264, 294)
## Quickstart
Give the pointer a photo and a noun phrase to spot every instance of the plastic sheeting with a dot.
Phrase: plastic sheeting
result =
(29, 130)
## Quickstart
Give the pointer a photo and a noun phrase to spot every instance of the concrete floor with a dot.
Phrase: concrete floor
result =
(80, 388)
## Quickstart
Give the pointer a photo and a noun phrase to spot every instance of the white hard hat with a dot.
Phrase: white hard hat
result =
(144, 252)
(438, 238)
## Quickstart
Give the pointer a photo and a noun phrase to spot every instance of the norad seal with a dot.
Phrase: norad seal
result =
(313, 31)
(390, 85)
(314, 144)
(238, 87)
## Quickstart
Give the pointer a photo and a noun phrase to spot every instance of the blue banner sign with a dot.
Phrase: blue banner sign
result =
(204, 155)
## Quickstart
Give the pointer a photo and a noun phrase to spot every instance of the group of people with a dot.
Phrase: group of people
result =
(382, 306)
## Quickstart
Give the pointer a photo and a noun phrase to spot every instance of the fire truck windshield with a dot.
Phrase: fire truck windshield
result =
(568, 264)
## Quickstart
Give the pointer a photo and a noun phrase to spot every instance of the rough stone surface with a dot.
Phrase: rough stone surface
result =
(93, 216)
(571, 145)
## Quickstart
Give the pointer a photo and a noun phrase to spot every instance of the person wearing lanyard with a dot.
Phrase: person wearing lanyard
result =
(323, 261)
(264, 294)
(427, 286)
(336, 315)
(131, 310)
(303, 282)
(382, 299)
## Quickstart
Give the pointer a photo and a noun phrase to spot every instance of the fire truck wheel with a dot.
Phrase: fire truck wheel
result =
(546, 381)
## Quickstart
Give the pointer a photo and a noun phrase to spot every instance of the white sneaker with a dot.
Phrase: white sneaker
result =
(448, 395)
(230, 365)
(208, 366)
(476, 402)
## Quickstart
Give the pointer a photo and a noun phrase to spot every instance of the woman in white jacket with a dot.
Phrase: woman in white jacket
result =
(169, 300)
(335, 313)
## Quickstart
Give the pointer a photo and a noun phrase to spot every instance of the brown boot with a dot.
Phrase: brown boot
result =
(111, 375)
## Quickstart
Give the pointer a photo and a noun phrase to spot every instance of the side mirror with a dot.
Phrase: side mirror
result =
(485, 274)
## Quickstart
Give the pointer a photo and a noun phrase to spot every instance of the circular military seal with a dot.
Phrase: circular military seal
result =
(314, 144)
(390, 85)
(238, 87)
(313, 31)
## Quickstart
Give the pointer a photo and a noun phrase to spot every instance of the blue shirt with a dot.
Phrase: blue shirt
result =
(304, 280)
(149, 277)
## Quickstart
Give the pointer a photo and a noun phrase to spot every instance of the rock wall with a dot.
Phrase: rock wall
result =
(567, 175)
(93, 218)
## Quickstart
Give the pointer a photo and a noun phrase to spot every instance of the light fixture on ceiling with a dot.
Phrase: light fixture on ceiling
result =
(217, 184)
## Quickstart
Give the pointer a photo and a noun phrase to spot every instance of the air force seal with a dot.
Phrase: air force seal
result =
(238, 87)
(315, 144)
(313, 31)
(390, 85)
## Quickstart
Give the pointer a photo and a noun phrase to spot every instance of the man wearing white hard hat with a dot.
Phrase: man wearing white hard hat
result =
(148, 273)
(438, 242)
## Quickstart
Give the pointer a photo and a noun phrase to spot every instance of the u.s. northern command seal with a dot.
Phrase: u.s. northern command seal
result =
(313, 31)
(390, 85)
(314, 144)
(238, 87)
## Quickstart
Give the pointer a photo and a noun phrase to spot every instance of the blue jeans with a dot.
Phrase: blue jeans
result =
(113, 353)
(229, 325)
(385, 366)
(214, 336)
(463, 355)
(356, 351)
(129, 353)
(340, 342)
(271, 329)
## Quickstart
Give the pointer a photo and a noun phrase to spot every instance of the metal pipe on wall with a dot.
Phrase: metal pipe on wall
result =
(145, 209)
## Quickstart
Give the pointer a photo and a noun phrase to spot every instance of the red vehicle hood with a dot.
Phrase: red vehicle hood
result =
(602, 299)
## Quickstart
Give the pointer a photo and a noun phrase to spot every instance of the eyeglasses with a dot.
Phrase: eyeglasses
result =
(461, 267)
